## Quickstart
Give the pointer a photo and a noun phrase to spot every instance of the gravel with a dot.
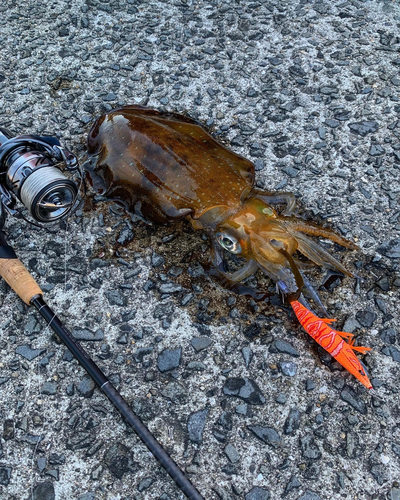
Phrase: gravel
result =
(238, 394)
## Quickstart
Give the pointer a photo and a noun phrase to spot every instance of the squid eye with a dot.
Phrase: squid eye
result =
(229, 243)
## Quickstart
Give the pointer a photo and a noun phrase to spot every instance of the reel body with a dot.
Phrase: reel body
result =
(28, 173)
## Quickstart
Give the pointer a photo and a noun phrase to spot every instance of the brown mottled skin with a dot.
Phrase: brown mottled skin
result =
(166, 167)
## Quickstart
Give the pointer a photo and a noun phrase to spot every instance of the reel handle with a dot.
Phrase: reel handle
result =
(16, 275)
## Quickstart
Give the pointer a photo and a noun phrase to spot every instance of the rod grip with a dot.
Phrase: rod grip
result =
(19, 279)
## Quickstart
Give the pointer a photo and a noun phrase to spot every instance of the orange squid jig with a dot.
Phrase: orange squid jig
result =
(333, 341)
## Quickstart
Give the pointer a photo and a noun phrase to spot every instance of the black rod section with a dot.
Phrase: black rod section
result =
(117, 400)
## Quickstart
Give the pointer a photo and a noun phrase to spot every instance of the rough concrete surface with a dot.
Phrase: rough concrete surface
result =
(243, 400)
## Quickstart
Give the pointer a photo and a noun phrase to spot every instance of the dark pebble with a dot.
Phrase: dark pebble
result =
(86, 386)
(201, 343)
(285, 347)
(169, 359)
(145, 483)
(309, 447)
(119, 461)
(350, 396)
(376, 150)
(292, 423)
(310, 385)
(267, 435)
(28, 353)
(257, 493)
(176, 392)
(363, 128)
(115, 298)
(253, 331)
(388, 336)
(292, 483)
(232, 453)
(247, 354)
(8, 429)
(309, 495)
(44, 491)
(244, 388)
(140, 353)
(393, 352)
(5, 475)
(195, 425)
(49, 388)
(157, 260)
(89, 335)
(366, 318)
(390, 249)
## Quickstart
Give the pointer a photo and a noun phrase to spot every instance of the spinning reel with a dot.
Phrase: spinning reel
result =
(29, 173)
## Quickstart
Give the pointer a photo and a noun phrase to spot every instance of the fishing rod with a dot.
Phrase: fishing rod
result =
(29, 175)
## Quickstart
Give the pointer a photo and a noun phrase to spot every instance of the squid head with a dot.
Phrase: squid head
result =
(268, 240)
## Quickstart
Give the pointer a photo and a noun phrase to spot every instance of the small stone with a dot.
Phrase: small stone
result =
(28, 353)
(195, 425)
(49, 388)
(244, 388)
(44, 491)
(157, 260)
(170, 288)
(310, 385)
(140, 353)
(118, 459)
(292, 423)
(390, 249)
(41, 463)
(5, 475)
(376, 150)
(247, 354)
(350, 325)
(176, 392)
(332, 123)
(169, 359)
(309, 495)
(89, 335)
(145, 483)
(388, 336)
(281, 398)
(393, 352)
(349, 395)
(115, 298)
(293, 483)
(257, 493)
(225, 421)
(288, 368)
(86, 386)
(8, 429)
(286, 348)
(232, 453)
(309, 447)
(267, 435)
(366, 318)
(363, 128)
(110, 97)
(201, 343)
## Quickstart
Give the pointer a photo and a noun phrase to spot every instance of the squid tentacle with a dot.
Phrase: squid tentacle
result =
(314, 229)
(317, 254)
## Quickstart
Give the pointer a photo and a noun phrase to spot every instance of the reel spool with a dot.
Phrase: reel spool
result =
(29, 174)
